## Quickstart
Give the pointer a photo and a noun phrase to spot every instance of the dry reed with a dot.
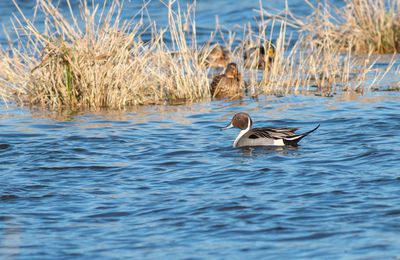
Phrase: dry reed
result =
(104, 64)
(310, 65)
(98, 60)
(363, 25)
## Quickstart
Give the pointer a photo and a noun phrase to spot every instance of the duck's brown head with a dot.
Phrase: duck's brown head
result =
(240, 120)
(232, 71)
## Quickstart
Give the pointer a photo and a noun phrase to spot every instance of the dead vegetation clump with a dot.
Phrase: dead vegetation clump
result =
(365, 26)
(99, 60)
(309, 65)
(105, 64)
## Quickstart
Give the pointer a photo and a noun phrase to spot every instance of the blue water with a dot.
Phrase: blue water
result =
(162, 182)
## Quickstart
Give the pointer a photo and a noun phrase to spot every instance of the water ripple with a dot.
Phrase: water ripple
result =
(169, 185)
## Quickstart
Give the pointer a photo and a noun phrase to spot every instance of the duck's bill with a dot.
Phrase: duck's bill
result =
(227, 127)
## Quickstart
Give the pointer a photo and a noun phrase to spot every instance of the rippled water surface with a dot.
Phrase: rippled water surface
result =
(164, 183)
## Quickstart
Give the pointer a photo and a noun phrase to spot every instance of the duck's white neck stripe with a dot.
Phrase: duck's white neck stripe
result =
(242, 133)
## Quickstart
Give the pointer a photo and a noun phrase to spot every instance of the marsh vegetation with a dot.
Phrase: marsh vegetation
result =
(97, 59)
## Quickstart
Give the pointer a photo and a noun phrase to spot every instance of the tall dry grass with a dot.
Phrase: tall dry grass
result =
(100, 64)
(311, 64)
(100, 60)
(363, 25)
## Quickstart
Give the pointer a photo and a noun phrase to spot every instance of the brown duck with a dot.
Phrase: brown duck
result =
(229, 84)
(216, 58)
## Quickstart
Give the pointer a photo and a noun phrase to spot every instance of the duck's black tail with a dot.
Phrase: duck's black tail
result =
(293, 140)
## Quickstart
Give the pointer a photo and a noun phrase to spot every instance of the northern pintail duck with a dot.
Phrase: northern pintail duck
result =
(258, 57)
(266, 136)
(216, 57)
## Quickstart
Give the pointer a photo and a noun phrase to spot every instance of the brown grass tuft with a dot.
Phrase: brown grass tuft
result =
(363, 25)
(103, 64)
(98, 60)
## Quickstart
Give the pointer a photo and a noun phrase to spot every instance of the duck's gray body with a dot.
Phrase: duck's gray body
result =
(265, 137)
